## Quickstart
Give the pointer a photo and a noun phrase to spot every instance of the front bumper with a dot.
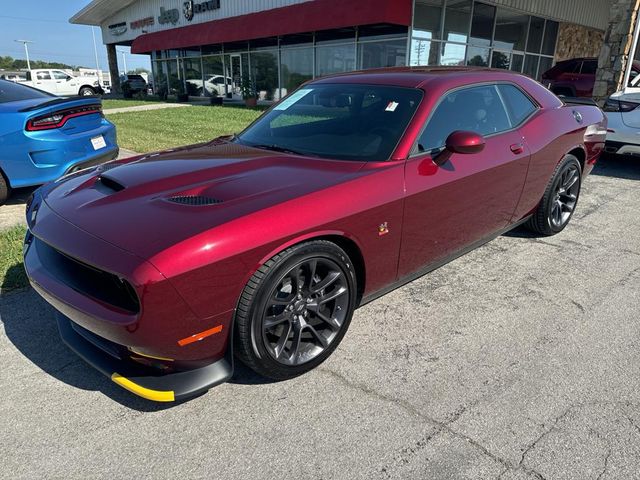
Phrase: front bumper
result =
(151, 348)
(141, 381)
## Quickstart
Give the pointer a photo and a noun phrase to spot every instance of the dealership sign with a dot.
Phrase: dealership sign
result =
(190, 8)
(118, 28)
(168, 16)
(145, 22)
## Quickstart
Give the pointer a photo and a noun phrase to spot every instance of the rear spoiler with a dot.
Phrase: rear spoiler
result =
(58, 100)
(578, 101)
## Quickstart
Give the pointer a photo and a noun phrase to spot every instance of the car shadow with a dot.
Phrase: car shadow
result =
(30, 325)
(19, 196)
(618, 166)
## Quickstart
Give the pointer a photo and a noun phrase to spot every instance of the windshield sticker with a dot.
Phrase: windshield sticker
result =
(392, 107)
(288, 102)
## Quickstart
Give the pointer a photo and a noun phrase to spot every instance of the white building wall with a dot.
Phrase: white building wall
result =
(151, 8)
(589, 13)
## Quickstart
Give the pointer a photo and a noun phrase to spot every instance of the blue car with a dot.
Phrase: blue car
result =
(43, 137)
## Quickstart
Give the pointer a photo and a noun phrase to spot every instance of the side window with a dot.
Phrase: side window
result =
(43, 76)
(477, 109)
(519, 106)
(589, 68)
(60, 75)
(577, 67)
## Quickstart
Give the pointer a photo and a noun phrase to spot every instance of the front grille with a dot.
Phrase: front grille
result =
(194, 200)
(87, 280)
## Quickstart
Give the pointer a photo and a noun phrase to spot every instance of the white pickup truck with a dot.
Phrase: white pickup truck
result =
(62, 84)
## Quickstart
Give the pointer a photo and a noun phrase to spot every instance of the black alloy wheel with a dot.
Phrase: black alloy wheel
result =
(560, 198)
(295, 310)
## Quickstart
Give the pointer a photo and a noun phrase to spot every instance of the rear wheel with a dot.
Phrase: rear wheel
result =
(295, 310)
(5, 189)
(560, 198)
(86, 91)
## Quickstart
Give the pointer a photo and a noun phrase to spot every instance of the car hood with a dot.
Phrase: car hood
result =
(154, 202)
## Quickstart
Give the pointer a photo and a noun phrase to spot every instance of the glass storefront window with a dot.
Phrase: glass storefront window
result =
(453, 54)
(335, 59)
(160, 77)
(264, 70)
(174, 78)
(424, 52)
(501, 60)
(531, 65)
(545, 64)
(296, 67)
(511, 30)
(478, 56)
(428, 19)
(457, 20)
(389, 53)
(550, 38)
(516, 62)
(193, 76)
(535, 35)
(216, 82)
(482, 24)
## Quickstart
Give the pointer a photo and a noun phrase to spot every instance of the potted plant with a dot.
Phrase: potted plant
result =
(248, 90)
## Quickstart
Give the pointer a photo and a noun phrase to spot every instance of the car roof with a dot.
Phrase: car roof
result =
(418, 77)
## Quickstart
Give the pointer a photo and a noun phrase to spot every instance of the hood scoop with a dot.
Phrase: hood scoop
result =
(109, 183)
(194, 200)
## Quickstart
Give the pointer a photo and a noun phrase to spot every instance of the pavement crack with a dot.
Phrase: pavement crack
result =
(606, 464)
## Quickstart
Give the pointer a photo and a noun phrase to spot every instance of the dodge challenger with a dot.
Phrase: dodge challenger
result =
(259, 246)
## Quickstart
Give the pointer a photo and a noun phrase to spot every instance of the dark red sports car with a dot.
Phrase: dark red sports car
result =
(164, 266)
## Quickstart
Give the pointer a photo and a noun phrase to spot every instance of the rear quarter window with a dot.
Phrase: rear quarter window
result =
(12, 92)
(519, 106)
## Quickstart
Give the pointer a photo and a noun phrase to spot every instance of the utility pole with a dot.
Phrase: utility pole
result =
(95, 51)
(124, 60)
(26, 50)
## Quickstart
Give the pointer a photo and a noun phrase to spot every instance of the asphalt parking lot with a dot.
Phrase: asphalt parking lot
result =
(520, 360)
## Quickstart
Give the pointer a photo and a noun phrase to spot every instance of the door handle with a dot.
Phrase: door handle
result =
(517, 148)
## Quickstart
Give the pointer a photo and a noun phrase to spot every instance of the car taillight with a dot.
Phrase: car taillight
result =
(619, 106)
(58, 119)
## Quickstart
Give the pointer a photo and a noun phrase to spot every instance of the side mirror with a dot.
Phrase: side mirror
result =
(462, 142)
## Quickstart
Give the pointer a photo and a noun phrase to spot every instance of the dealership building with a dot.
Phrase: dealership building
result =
(217, 47)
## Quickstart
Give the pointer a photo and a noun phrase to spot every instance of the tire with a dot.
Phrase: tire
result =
(560, 198)
(275, 314)
(86, 91)
(5, 189)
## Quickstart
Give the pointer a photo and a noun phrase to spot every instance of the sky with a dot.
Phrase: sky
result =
(46, 22)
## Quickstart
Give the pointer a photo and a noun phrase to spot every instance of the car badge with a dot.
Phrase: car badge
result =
(383, 229)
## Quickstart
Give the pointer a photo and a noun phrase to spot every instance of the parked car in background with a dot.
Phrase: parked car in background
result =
(623, 132)
(132, 84)
(44, 137)
(214, 86)
(576, 77)
(346, 189)
(62, 84)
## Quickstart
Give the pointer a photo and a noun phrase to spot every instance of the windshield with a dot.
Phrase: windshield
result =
(337, 121)
(12, 92)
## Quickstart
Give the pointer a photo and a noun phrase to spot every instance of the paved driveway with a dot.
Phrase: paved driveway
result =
(520, 360)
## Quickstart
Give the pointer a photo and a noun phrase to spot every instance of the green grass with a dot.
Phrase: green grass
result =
(160, 129)
(122, 103)
(12, 275)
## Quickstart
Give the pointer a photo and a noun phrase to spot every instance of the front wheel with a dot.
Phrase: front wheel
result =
(86, 91)
(560, 198)
(295, 310)
(5, 189)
